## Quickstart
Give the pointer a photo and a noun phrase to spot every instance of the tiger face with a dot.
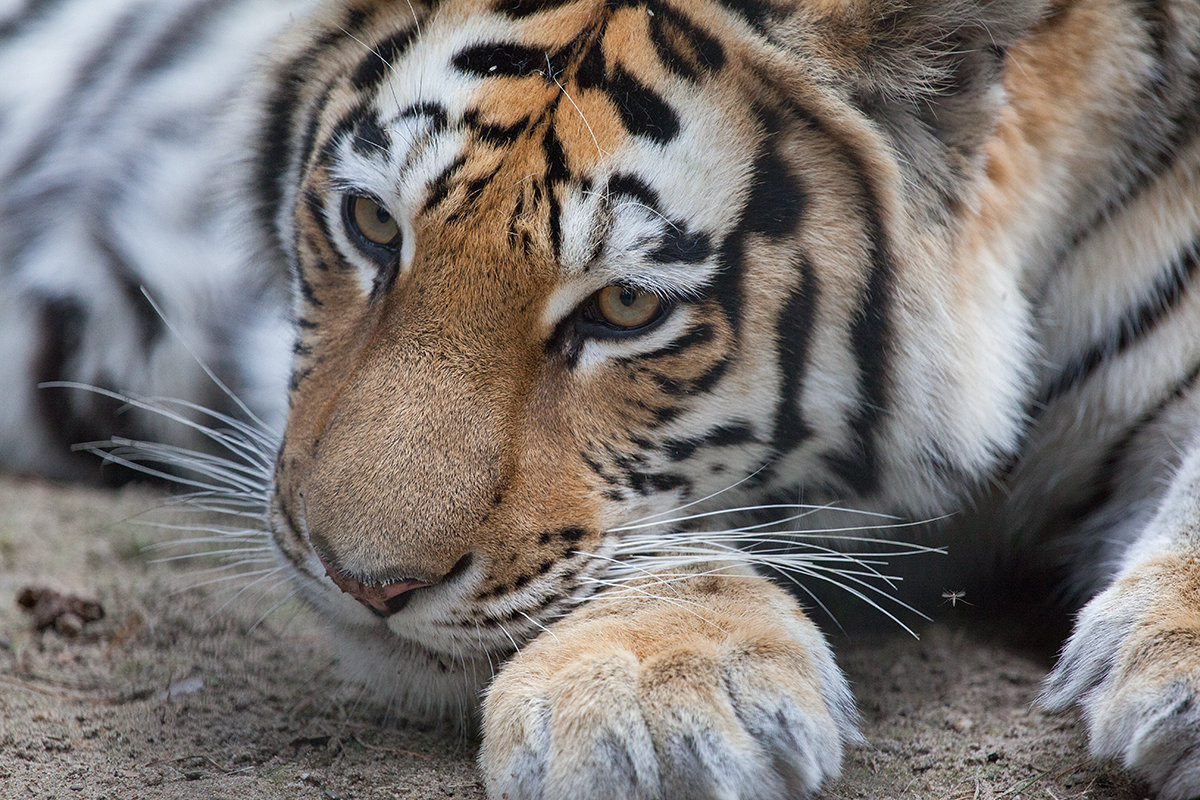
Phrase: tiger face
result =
(562, 267)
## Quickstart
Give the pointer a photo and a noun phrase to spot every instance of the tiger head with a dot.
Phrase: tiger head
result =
(562, 267)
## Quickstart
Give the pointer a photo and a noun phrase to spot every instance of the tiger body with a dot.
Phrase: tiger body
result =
(564, 277)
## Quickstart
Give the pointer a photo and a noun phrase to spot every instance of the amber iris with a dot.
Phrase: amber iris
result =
(627, 307)
(372, 223)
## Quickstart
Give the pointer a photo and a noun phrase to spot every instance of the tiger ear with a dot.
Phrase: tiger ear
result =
(927, 71)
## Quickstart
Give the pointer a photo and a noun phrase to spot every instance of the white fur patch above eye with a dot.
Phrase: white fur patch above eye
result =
(612, 239)
(585, 219)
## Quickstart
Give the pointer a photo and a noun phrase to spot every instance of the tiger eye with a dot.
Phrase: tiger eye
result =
(627, 307)
(373, 222)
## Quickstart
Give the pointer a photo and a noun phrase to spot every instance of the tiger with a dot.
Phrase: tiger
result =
(513, 309)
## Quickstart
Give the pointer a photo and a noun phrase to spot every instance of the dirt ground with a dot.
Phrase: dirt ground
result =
(193, 694)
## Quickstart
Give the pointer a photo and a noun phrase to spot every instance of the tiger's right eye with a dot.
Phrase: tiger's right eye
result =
(371, 227)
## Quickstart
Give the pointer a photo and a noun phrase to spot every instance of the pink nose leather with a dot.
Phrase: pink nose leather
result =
(383, 599)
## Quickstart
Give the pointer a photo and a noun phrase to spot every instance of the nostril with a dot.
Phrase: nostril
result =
(384, 599)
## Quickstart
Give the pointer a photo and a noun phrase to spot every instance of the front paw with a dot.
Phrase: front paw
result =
(1133, 665)
(626, 699)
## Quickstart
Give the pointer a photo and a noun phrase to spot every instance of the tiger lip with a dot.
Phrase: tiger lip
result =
(382, 599)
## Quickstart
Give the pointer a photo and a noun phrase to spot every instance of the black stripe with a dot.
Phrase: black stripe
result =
(556, 159)
(1136, 322)
(97, 67)
(684, 48)
(439, 118)
(439, 187)
(1104, 480)
(721, 436)
(1168, 119)
(774, 207)
(859, 467)
(554, 212)
(777, 198)
(700, 334)
(501, 59)
(62, 323)
(345, 128)
(33, 13)
(275, 154)
(590, 69)
(643, 111)
(519, 9)
(297, 377)
(473, 190)
(500, 135)
(556, 173)
(385, 278)
(313, 124)
(794, 333)
(370, 139)
(183, 34)
(682, 246)
(375, 65)
(306, 289)
(757, 13)
(632, 186)
(315, 205)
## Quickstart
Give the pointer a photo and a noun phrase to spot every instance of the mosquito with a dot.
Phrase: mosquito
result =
(954, 598)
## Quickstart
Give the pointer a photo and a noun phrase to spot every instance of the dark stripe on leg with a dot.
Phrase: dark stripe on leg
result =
(1168, 291)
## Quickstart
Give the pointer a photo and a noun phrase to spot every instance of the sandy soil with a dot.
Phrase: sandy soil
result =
(192, 694)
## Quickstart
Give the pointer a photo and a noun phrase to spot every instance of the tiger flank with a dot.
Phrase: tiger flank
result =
(526, 302)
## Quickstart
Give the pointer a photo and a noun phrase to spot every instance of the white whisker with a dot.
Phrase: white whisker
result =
(707, 497)
(277, 606)
(750, 509)
(212, 554)
(226, 578)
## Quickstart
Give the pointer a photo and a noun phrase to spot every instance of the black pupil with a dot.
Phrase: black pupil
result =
(628, 296)
(381, 215)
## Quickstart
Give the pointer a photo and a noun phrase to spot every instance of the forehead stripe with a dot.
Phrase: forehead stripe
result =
(370, 139)
(519, 9)
(643, 111)
(439, 188)
(375, 64)
(506, 60)
(683, 47)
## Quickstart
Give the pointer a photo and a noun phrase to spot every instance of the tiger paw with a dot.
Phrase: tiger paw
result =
(636, 699)
(1133, 666)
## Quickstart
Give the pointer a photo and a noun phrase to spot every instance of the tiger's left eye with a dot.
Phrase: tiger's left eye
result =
(370, 224)
(626, 308)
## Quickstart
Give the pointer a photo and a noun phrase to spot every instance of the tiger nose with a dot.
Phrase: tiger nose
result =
(383, 599)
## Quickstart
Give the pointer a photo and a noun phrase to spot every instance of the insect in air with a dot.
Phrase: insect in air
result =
(954, 598)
